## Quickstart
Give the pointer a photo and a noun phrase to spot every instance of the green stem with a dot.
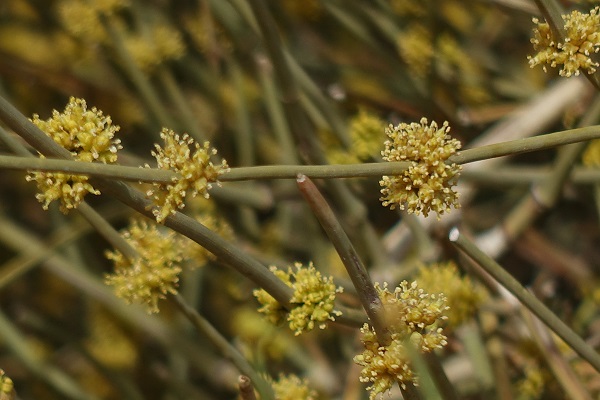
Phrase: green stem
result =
(228, 350)
(48, 146)
(226, 252)
(183, 106)
(20, 265)
(439, 377)
(148, 94)
(532, 303)
(526, 145)
(556, 362)
(15, 340)
(358, 273)
(410, 392)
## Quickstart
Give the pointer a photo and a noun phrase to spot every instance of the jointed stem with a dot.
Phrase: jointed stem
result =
(276, 171)
(528, 300)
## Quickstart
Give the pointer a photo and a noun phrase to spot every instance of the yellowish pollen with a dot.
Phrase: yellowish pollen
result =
(427, 184)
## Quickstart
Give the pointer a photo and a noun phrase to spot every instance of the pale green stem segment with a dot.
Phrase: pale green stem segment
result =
(531, 302)
(358, 273)
(292, 171)
(15, 340)
(226, 348)
(228, 253)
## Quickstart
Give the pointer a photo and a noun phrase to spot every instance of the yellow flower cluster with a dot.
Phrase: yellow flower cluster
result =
(366, 133)
(532, 385)
(107, 342)
(412, 315)
(258, 336)
(415, 45)
(89, 136)
(192, 161)
(7, 387)
(427, 184)
(292, 388)
(82, 18)
(591, 155)
(162, 44)
(463, 295)
(273, 311)
(582, 39)
(313, 299)
(151, 276)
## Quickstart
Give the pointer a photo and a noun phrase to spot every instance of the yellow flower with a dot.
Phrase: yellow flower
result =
(192, 161)
(415, 45)
(366, 132)
(258, 335)
(412, 315)
(591, 155)
(292, 388)
(152, 275)
(89, 136)
(582, 38)
(7, 387)
(427, 184)
(313, 299)
(271, 308)
(82, 18)
(107, 342)
(163, 43)
(463, 295)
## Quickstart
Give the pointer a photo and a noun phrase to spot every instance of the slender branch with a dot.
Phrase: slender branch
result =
(358, 273)
(181, 223)
(246, 388)
(228, 350)
(532, 303)
(48, 147)
(527, 145)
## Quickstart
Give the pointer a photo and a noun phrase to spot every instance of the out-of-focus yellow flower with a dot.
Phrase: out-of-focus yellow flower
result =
(7, 387)
(291, 387)
(416, 48)
(107, 343)
(591, 155)
(260, 335)
(463, 295)
(152, 275)
(366, 133)
(82, 18)
(164, 43)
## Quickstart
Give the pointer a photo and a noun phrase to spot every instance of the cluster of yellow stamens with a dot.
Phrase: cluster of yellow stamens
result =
(427, 183)
(582, 39)
(413, 316)
(313, 299)
(192, 162)
(154, 273)
(89, 136)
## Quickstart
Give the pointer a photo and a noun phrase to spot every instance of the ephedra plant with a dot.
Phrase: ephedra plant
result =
(270, 243)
